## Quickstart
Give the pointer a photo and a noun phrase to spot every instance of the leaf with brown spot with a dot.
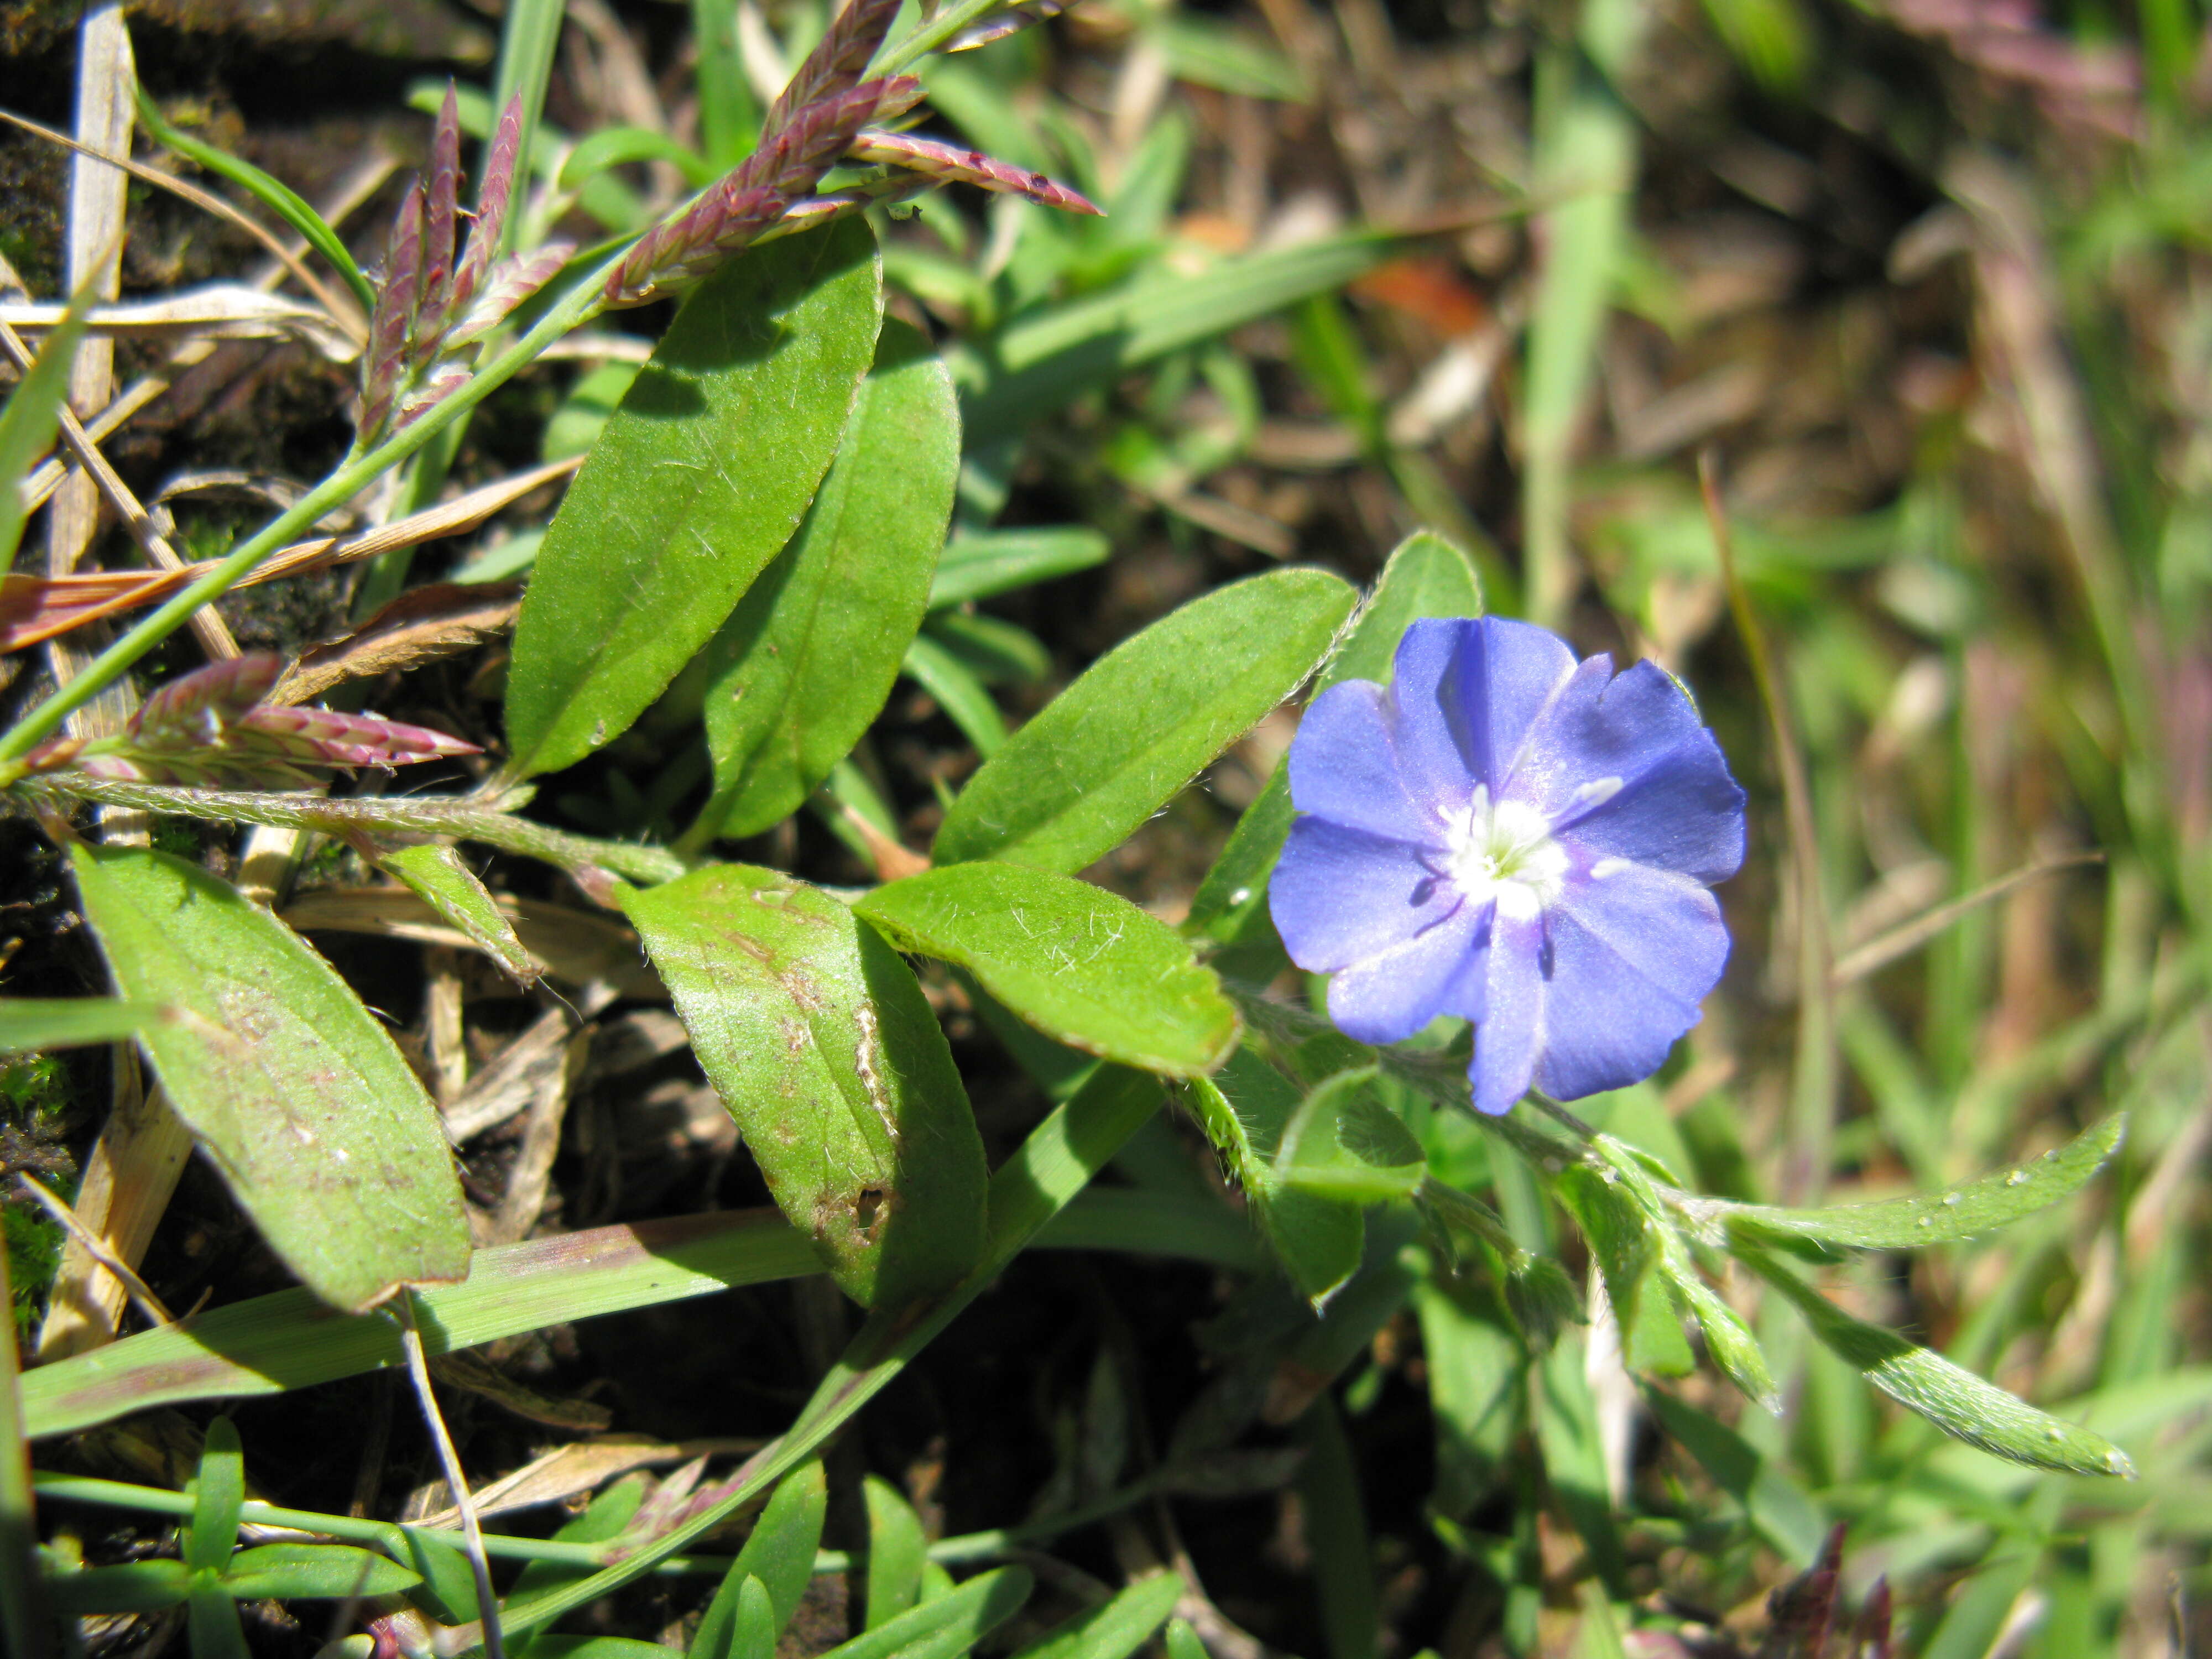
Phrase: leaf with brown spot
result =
(827, 1055)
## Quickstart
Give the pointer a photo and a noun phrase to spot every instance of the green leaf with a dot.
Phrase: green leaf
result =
(1209, 52)
(134, 1586)
(1115, 1630)
(1778, 1506)
(1427, 576)
(947, 1626)
(982, 563)
(824, 1050)
(212, 1621)
(1083, 965)
(333, 1573)
(595, 1647)
(1728, 1339)
(605, 1518)
(1233, 897)
(217, 1491)
(1951, 1397)
(747, 1627)
(1625, 1239)
(32, 416)
(1961, 1212)
(1344, 1143)
(582, 415)
(995, 651)
(1049, 358)
(620, 146)
(318, 1125)
(958, 691)
(1142, 721)
(1182, 1642)
(804, 662)
(697, 482)
(274, 194)
(896, 1552)
(28, 1024)
(779, 1553)
(437, 876)
(1318, 1238)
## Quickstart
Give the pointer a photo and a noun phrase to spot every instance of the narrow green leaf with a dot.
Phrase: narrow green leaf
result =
(1208, 52)
(319, 1127)
(290, 1339)
(804, 662)
(32, 416)
(619, 146)
(1182, 1642)
(1961, 1212)
(1728, 1339)
(748, 1628)
(897, 1551)
(948, 1626)
(779, 1553)
(1233, 897)
(1115, 1630)
(28, 1024)
(438, 875)
(212, 1620)
(697, 482)
(274, 194)
(958, 691)
(1143, 721)
(1427, 576)
(605, 1518)
(824, 1050)
(1625, 1238)
(1053, 1164)
(1046, 361)
(26, 1624)
(1083, 965)
(1951, 1397)
(995, 651)
(983, 562)
(332, 1572)
(595, 1647)
(1778, 1506)
(134, 1586)
(217, 1491)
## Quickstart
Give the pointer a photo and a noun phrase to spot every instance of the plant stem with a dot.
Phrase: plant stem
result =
(447, 815)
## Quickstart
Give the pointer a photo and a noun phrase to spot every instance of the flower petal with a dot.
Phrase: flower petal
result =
(1510, 1037)
(1468, 693)
(1345, 767)
(1632, 954)
(1388, 997)
(1683, 813)
(1600, 734)
(1342, 895)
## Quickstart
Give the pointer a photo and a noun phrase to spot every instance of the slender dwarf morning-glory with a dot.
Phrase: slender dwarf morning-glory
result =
(1519, 840)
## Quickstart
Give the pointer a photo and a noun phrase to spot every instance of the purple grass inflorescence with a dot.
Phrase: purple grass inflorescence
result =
(1519, 840)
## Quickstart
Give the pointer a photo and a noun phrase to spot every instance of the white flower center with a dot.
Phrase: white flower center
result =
(1504, 852)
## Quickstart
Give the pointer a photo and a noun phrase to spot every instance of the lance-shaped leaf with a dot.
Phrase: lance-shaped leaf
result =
(333, 1573)
(697, 483)
(1085, 966)
(1954, 1398)
(826, 1053)
(1143, 721)
(288, 1084)
(436, 873)
(777, 1562)
(804, 663)
(1961, 1212)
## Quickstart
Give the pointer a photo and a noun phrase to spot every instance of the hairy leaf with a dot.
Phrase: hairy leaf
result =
(290, 1085)
(806, 659)
(1070, 785)
(1083, 965)
(437, 875)
(829, 1057)
(697, 482)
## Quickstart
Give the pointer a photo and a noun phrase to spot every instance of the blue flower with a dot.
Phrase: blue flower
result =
(1518, 839)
